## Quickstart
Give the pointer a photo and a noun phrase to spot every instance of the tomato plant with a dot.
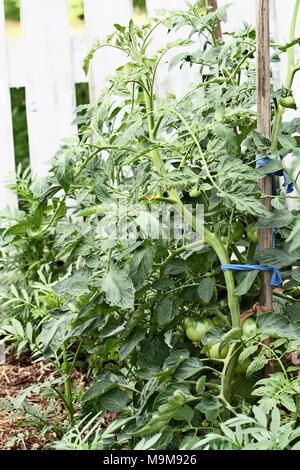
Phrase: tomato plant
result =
(107, 290)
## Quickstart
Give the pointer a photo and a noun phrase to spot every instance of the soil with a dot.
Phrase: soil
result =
(15, 376)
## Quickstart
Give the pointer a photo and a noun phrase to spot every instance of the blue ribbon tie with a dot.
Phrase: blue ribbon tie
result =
(276, 279)
(287, 181)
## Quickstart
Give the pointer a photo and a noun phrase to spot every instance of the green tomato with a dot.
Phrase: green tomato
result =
(287, 102)
(195, 192)
(249, 327)
(252, 234)
(213, 352)
(188, 321)
(242, 369)
(196, 330)
(236, 232)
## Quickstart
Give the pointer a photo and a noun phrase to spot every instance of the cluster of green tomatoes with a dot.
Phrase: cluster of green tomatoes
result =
(196, 330)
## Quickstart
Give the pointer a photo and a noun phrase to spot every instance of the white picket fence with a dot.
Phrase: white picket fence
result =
(47, 61)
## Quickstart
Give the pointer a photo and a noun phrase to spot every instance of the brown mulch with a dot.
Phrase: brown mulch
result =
(15, 376)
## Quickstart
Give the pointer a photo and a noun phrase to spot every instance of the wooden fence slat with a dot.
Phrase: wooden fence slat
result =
(100, 16)
(6, 131)
(48, 63)
(80, 45)
(16, 73)
(50, 91)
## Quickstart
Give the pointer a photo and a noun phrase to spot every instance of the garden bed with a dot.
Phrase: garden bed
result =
(16, 375)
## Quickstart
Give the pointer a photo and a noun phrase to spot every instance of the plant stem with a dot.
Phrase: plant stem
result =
(289, 77)
(177, 252)
(210, 238)
(228, 372)
(68, 385)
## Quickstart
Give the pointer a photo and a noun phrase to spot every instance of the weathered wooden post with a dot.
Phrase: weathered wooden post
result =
(264, 126)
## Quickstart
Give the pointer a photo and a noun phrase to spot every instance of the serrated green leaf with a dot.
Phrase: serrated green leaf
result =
(234, 335)
(257, 364)
(205, 289)
(166, 309)
(275, 258)
(118, 288)
(247, 352)
(246, 283)
(141, 265)
(187, 368)
(287, 141)
(164, 414)
(278, 219)
(129, 344)
(63, 168)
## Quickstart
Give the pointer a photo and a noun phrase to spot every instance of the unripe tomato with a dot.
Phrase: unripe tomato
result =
(252, 234)
(242, 369)
(249, 327)
(196, 330)
(195, 192)
(236, 232)
(288, 102)
(213, 352)
(188, 321)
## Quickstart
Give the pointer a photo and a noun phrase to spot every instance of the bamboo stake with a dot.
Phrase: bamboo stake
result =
(264, 126)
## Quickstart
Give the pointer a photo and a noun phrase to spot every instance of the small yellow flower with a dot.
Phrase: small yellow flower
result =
(153, 197)
(197, 344)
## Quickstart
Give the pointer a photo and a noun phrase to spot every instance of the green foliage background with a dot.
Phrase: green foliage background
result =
(12, 10)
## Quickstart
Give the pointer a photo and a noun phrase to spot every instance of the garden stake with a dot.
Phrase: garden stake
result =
(264, 127)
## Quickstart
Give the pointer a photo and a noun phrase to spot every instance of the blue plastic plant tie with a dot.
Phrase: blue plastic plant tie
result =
(274, 237)
(287, 181)
(276, 279)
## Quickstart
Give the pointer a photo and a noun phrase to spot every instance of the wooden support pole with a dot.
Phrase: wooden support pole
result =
(264, 126)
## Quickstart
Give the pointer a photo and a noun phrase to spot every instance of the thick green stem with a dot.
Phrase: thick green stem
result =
(228, 373)
(211, 239)
(177, 252)
(251, 252)
(289, 77)
(68, 385)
